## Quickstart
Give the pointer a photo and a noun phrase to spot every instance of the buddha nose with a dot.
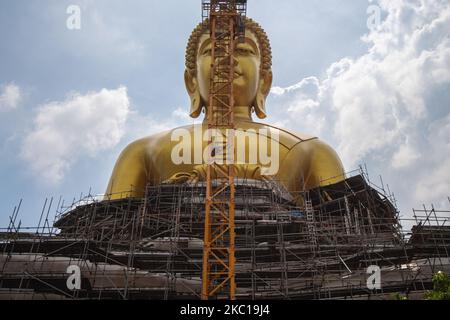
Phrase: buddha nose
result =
(226, 61)
(235, 60)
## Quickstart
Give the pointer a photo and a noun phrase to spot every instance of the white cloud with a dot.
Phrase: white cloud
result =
(434, 182)
(301, 102)
(139, 126)
(305, 83)
(405, 156)
(85, 126)
(376, 107)
(182, 114)
(10, 97)
(82, 125)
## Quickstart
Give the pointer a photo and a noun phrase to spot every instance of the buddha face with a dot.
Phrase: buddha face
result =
(250, 85)
(247, 62)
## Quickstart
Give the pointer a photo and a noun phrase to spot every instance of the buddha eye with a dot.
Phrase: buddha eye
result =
(207, 52)
(244, 51)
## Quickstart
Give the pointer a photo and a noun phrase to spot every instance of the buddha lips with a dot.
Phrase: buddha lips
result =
(229, 146)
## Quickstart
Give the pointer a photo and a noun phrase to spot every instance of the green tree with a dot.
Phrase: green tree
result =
(398, 296)
(441, 287)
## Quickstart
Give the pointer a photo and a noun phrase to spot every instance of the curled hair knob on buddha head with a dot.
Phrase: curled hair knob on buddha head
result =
(258, 105)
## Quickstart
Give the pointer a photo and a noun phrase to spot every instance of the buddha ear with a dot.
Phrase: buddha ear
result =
(263, 91)
(192, 88)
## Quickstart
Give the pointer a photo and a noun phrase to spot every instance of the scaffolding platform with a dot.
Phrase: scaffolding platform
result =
(315, 244)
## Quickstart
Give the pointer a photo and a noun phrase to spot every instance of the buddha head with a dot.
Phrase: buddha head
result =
(253, 73)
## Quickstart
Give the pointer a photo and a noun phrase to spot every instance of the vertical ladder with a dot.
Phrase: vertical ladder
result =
(310, 223)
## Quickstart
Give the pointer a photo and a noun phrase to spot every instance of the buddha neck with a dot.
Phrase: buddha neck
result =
(241, 114)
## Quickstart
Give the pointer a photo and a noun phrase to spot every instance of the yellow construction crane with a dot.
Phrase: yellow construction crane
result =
(225, 23)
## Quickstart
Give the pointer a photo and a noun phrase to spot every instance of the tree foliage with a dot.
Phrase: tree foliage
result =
(441, 287)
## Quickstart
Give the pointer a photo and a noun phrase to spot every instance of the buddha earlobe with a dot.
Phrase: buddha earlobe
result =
(194, 94)
(196, 105)
(260, 106)
(263, 91)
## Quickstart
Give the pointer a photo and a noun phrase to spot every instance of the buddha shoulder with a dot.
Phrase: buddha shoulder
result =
(287, 138)
(144, 147)
(323, 162)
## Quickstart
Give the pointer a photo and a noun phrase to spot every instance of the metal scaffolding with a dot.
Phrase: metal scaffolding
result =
(319, 247)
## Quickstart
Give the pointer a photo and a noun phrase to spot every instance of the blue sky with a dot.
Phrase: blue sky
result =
(70, 100)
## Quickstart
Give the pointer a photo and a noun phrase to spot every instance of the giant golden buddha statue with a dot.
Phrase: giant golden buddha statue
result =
(303, 162)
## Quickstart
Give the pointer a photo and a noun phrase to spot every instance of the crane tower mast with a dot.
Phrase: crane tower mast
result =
(225, 23)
